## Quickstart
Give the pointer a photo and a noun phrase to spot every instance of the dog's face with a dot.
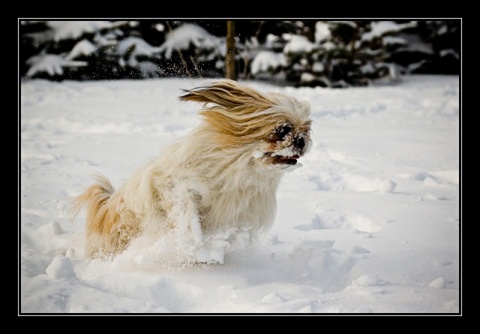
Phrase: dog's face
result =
(286, 143)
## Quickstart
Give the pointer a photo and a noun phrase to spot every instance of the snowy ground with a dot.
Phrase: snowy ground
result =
(369, 224)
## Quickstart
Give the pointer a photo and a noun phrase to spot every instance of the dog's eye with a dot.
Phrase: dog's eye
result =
(283, 131)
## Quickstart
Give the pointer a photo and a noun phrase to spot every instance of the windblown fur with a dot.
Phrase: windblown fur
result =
(223, 174)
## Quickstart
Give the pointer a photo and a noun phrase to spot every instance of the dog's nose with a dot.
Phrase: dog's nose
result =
(299, 142)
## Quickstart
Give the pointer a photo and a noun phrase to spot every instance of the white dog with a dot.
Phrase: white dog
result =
(224, 174)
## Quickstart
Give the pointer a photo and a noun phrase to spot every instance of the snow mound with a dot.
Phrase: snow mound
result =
(438, 283)
(387, 186)
(61, 267)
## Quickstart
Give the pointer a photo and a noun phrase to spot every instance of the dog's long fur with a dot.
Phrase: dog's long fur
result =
(223, 174)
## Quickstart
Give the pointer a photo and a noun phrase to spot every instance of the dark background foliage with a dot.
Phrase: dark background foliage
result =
(299, 53)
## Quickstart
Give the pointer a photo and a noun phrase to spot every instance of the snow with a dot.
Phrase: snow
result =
(322, 32)
(318, 67)
(369, 224)
(446, 52)
(298, 44)
(50, 63)
(415, 44)
(140, 48)
(82, 48)
(74, 29)
(184, 36)
(393, 40)
(265, 60)
(380, 28)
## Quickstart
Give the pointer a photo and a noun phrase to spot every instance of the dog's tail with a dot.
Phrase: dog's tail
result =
(94, 197)
(98, 214)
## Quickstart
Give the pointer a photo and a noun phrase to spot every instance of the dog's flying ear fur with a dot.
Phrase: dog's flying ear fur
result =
(227, 94)
(239, 114)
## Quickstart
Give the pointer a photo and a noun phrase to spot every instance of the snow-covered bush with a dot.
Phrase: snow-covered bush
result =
(433, 47)
(344, 53)
(190, 50)
(301, 53)
(89, 50)
(71, 49)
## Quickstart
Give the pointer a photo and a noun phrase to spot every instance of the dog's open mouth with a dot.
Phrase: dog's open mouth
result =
(272, 158)
(290, 160)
